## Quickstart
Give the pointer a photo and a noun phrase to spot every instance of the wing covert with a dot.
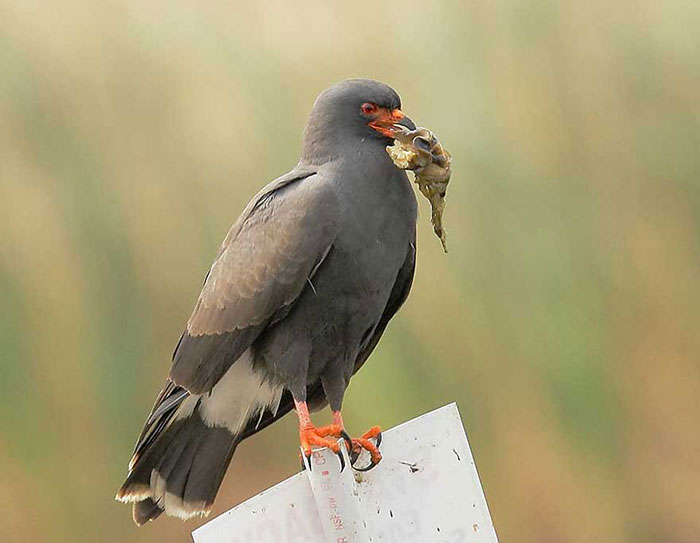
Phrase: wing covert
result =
(262, 267)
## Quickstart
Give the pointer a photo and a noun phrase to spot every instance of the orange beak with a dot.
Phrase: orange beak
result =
(386, 118)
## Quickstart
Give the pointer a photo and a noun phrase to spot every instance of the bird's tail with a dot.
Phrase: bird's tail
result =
(188, 440)
(181, 472)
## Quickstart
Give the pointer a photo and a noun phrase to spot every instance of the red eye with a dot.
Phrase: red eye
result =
(368, 108)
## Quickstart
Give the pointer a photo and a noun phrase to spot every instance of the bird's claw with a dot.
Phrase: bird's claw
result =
(305, 460)
(364, 442)
(372, 464)
(340, 456)
(348, 440)
(320, 437)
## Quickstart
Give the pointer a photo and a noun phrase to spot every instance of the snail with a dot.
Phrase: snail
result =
(421, 152)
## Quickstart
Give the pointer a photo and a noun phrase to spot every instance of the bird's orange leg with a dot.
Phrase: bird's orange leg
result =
(324, 436)
(363, 442)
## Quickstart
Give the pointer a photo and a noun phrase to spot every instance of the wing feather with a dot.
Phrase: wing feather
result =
(261, 269)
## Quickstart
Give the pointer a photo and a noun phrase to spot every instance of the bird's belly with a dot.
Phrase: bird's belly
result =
(336, 313)
(350, 296)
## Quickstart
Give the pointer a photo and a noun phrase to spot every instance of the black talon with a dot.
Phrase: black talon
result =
(372, 465)
(342, 460)
(303, 464)
(348, 440)
(354, 455)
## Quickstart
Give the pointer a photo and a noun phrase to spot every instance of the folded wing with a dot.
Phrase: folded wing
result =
(263, 265)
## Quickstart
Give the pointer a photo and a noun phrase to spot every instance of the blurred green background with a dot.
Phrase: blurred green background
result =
(564, 320)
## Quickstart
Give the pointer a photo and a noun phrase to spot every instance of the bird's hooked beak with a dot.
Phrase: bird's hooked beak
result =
(389, 122)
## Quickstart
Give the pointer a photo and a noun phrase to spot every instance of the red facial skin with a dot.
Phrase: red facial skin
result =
(384, 120)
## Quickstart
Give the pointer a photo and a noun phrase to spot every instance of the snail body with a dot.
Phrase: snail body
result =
(421, 152)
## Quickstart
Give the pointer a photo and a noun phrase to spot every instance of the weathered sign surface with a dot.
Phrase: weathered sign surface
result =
(425, 490)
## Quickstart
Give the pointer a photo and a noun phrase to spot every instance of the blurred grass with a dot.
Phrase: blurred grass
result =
(564, 319)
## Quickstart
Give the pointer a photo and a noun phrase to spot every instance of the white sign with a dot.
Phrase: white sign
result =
(425, 490)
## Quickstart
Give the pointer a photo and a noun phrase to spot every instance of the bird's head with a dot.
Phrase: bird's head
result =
(361, 110)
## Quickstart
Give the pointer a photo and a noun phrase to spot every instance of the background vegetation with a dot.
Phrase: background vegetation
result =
(564, 321)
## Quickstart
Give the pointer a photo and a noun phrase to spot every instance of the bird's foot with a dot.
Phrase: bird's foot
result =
(324, 436)
(364, 443)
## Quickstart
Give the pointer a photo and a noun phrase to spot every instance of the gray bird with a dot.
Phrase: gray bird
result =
(299, 294)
